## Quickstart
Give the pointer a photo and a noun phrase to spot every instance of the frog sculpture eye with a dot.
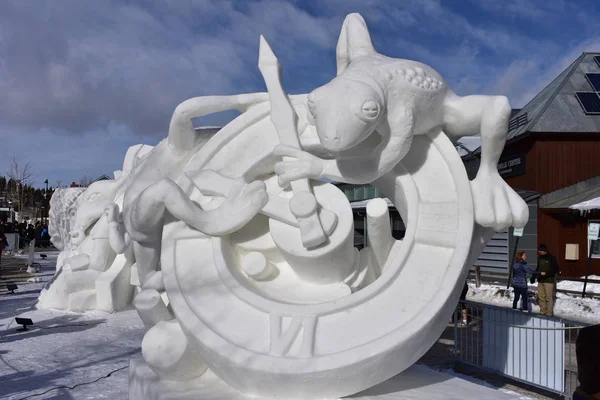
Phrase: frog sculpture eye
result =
(370, 110)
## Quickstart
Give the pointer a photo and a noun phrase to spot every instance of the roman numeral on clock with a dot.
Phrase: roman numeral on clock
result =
(302, 326)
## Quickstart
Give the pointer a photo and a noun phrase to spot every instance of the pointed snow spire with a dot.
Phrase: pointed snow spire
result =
(266, 56)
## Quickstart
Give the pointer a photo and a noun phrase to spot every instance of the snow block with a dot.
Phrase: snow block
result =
(114, 291)
(82, 301)
(80, 280)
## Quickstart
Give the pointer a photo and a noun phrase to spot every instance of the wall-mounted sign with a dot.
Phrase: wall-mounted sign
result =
(518, 232)
(593, 229)
(512, 166)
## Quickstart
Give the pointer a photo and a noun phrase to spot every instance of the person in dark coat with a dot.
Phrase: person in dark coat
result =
(30, 235)
(22, 234)
(547, 268)
(3, 242)
(587, 351)
(519, 280)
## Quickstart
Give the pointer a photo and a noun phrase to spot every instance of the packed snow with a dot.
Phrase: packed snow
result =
(64, 355)
(568, 306)
(67, 355)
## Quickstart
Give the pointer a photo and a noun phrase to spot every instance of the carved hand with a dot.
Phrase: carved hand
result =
(112, 212)
(243, 195)
(242, 203)
(305, 165)
(496, 204)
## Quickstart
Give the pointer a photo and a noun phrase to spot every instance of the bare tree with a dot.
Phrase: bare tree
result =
(85, 181)
(21, 175)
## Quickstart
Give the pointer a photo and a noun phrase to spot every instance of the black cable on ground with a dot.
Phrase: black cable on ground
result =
(74, 386)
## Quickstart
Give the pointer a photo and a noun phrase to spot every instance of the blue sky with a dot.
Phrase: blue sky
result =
(82, 81)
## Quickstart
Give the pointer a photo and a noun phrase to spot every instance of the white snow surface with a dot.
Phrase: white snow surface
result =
(568, 306)
(592, 204)
(64, 349)
(68, 355)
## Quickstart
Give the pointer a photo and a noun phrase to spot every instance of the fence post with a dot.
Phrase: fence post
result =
(457, 312)
(30, 268)
(477, 275)
(587, 268)
(593, 229)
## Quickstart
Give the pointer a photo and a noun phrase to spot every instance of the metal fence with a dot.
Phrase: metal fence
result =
(526, 347)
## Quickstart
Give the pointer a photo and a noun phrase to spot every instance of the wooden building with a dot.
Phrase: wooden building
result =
(553, 149)
(552, 160)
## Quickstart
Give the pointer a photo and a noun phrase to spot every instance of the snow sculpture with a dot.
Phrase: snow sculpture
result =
(62, 209)
(90, 274)
(249, 281)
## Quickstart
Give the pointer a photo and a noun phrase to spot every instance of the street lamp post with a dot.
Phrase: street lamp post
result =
(45, 216)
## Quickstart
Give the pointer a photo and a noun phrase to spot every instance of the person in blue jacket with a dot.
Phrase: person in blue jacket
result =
(519, 280)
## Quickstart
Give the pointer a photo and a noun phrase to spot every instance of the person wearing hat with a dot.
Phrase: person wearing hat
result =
(547, 268)
(587, 351)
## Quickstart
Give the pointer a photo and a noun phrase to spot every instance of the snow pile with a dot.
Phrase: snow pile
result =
(567, 306)
(578, 286)
(593, 204)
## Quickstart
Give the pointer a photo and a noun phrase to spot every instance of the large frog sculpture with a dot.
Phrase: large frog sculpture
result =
(277, 303)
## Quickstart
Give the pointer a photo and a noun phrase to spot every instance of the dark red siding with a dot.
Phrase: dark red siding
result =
(554, 162)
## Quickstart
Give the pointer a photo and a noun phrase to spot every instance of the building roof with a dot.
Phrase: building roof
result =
(570, 195)
(527, 195)
(102, 178)
(556, 108)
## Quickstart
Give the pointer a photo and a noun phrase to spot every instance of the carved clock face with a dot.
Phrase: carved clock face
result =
(272, 343)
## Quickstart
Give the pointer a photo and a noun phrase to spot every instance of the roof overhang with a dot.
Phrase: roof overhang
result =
(588, 205)
(528, 195)
(564, 198)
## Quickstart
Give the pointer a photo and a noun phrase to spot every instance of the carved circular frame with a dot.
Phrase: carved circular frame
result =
(357, 341)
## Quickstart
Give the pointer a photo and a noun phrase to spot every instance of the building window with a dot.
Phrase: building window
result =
(359, 193)
(596, 244)
(370, 192)
(349, 194)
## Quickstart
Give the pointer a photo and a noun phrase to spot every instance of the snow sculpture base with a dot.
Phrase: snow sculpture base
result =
(418, 382)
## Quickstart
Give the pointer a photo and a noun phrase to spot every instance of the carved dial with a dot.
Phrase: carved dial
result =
(263, 345)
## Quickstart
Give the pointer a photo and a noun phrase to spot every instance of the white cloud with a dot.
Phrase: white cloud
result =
(542, 74)
(83, 80)
(510, 83)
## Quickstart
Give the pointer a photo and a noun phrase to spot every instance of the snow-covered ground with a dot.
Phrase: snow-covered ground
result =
(64, 355)
(567, 306)
(69, 355)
